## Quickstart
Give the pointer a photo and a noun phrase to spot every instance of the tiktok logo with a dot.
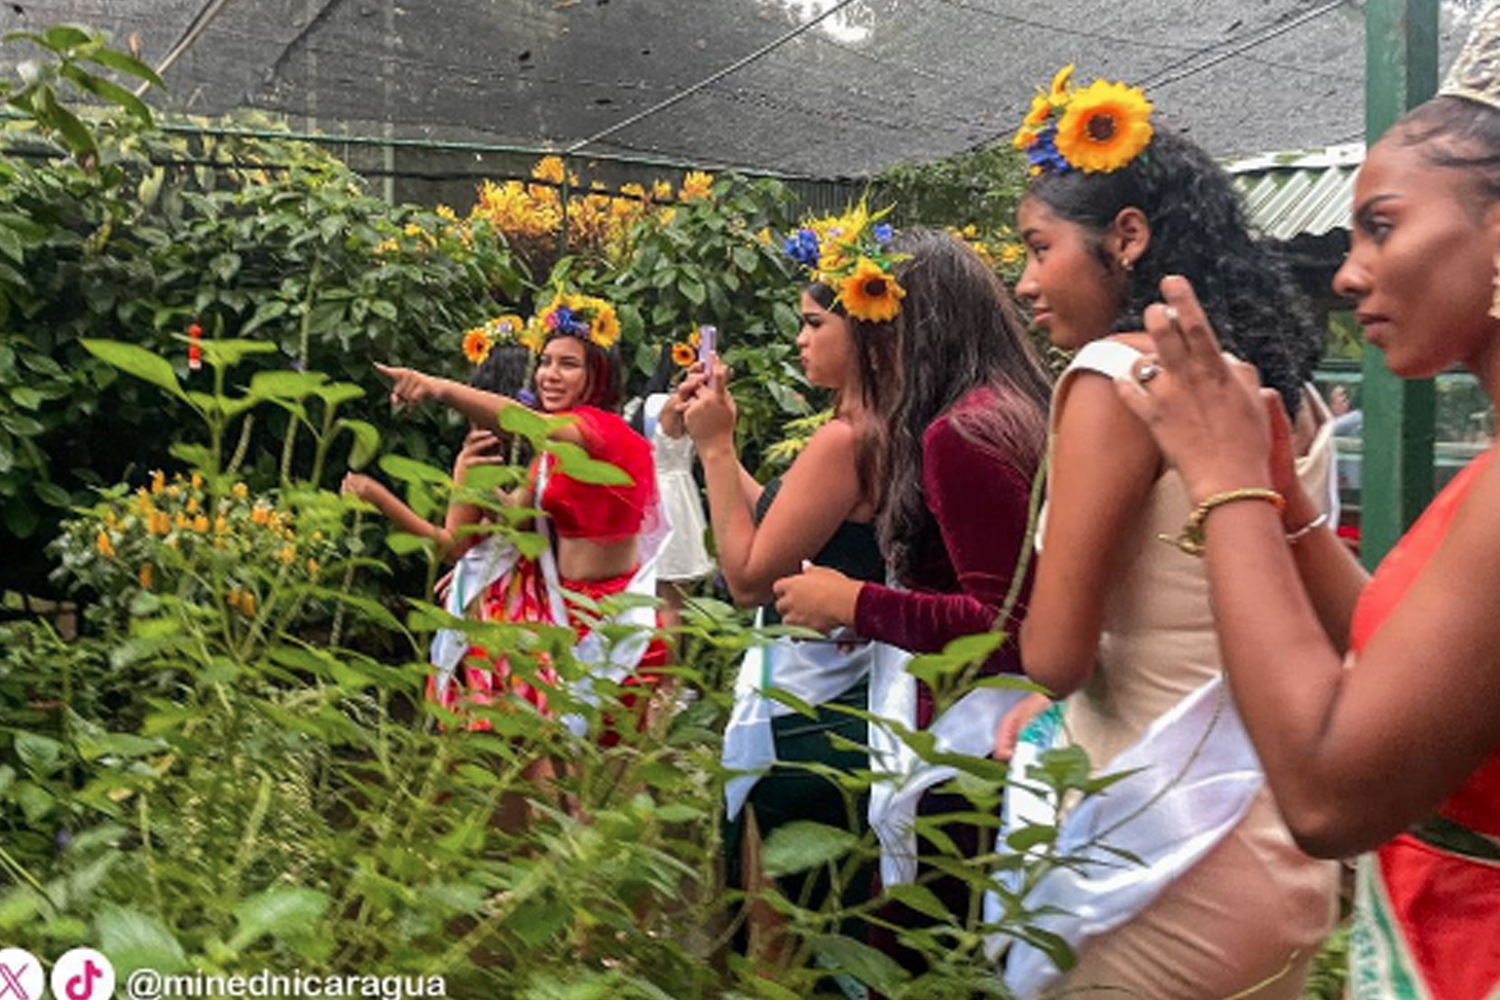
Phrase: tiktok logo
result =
(21, 975)
(83, 974)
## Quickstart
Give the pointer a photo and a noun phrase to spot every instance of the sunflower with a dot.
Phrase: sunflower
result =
(1105, 126)
(871, 294)
(605, 328)
(683, 355)
(476, 345)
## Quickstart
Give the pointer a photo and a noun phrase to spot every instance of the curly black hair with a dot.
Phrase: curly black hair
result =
(959, 329)
(1198, 230)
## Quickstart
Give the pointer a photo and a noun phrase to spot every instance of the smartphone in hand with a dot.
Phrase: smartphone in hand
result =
(708, 337)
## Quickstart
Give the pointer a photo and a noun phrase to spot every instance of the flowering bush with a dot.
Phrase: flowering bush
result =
(175, 537)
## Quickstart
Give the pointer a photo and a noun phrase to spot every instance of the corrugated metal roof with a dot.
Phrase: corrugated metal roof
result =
(1289, 194)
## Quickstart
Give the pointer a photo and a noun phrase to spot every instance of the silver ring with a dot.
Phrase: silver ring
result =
(1171, 314)
(1146, 372)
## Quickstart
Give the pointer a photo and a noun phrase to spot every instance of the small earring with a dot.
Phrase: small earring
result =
(1126, 264)
(1495, 296)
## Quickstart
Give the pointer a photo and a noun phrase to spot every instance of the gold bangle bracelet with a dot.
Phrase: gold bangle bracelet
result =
(1192, 539)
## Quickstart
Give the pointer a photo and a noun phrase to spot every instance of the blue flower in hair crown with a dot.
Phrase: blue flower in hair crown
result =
(1098, 129)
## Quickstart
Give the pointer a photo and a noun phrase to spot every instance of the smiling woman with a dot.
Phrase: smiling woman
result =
(603, 538)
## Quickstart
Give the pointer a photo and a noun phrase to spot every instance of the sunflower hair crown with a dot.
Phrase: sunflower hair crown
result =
(1098, 129)
(480, 340)
(569, 314)
(851, 254)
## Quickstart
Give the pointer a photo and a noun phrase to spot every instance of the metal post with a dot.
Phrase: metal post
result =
(1401, 54)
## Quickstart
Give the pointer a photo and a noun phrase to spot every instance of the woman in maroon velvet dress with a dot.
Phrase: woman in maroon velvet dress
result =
(966, 435)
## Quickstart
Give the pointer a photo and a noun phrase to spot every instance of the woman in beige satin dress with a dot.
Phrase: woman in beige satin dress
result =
(1120, 624)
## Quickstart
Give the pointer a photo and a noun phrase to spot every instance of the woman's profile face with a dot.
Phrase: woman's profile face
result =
(825, 345)
(1073, 296)
(561, 374)
(1421, 264)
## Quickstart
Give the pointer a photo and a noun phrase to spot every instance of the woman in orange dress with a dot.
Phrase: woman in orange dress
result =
(1374, 702)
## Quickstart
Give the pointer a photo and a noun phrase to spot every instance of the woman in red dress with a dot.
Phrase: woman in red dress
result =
(599, 535)
(1373, 702)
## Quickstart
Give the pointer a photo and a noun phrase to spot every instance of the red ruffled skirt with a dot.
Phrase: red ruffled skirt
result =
(520, 597)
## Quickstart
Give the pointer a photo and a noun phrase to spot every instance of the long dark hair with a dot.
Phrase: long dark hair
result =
(604, 374)
(876, 352)
(1198, 230)
(959, 329)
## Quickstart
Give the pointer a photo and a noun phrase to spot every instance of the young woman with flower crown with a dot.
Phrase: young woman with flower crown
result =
(964, 436)
(1120, 624)
(603, 538)
(1374, 701)
(820, 511)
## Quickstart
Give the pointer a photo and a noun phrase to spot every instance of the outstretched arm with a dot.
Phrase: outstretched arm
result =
(410, 387)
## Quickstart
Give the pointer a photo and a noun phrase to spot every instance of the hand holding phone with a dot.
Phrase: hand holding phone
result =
(708, 337)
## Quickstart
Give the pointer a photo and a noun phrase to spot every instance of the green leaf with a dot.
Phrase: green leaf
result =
(133, 941)
(1028, 837)
(76, 136)
(411, 471)
(228, 353)
(872, 967)
(526, 423)
(61, 37)
(40, 754)
(134, 360)
(974, 648)
(265, 313)
(112, 92)
(26, 397)
(10, 245)
(284, 912)
(51, 494)
(746, 259)
(802, 844)
(576, 464)
(383, 309)
(366, 442)
(693, 291)
(124, 63)
(285, 384)
(921, 899)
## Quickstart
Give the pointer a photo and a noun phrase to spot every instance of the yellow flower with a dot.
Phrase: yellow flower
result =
(661, 191)
(683, 354)
(605, 329)
(1105, 126)
(696, 185)
(287, 554)
(446, 214)
(412, 229)
(548, 168)
(764, 237)
(633, 191)
(1012, 253)
(260, 515)
(232, 598)
(247, 604)
(192, 505)
(695, 338)
(1061, 86)
(312, 567)
(239, 491)
(200, 524)
(871, 294)
(159, 523)
(1041, 110)
(181, 520)
(476, 345)
(102, 543)
(221, 524)
(158, 481)
(196, 481)
(145, 576)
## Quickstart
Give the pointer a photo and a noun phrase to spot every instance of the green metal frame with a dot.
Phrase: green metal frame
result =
(1401, 53)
